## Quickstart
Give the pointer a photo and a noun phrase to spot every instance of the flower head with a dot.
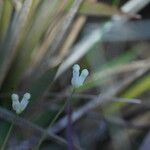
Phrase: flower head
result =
(19, 107)
(77, 78)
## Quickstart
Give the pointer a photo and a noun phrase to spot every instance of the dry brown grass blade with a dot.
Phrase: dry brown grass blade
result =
(66, 25)
(134, 66)
(12, 41)
(55, 60)
(60, 38)
(51, 33)
(41, 15)
(75, 30)
(99, 9)
(48, 40)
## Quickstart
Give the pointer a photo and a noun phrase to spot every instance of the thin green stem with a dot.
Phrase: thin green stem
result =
(53, 121)
(7, 136)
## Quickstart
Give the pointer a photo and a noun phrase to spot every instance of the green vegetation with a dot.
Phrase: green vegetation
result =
(41, 38)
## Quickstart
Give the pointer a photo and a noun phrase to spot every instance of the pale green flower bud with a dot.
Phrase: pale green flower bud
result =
(77, 79)
(83, 76)
(19, 107)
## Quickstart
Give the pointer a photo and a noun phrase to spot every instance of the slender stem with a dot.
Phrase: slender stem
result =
(7, 136)
(52, 122)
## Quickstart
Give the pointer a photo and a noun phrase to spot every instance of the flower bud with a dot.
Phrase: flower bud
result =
(27, 96)
(19, 107)
(15, 102)
(83, 76)
(77, 79)
(14, 97)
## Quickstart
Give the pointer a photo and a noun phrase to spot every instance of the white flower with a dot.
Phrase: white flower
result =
(77, 78)
(19, 107)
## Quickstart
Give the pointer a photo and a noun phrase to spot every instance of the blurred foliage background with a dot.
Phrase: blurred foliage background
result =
(40, 40)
